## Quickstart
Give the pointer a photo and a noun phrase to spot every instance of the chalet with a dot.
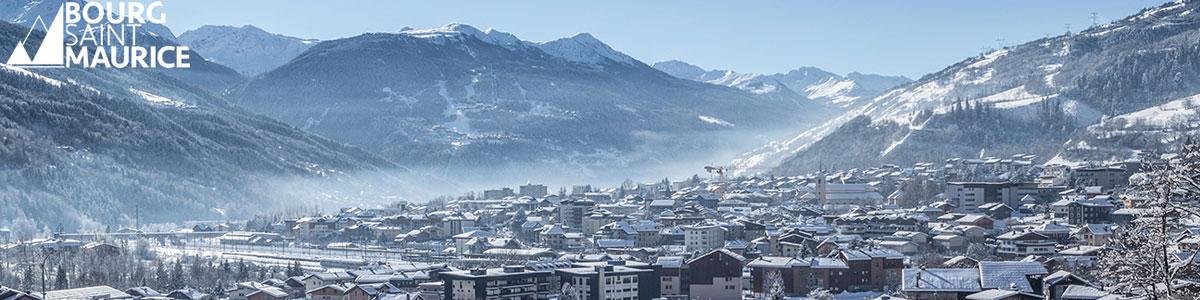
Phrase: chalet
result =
(330, 292)
(554, 237)
(461, 239)
(294, 286)
(188, 294)
(242, 291)
(370, 291)
(1095, 234)
(977, 220)
(141, 292)
(1024, 243)
(1056, 284)
(268, 293)
(997, 210)
(641, 233)
(317, 280)
(940, 284)
(950, 241)
(1059, 233)
(1023, 276)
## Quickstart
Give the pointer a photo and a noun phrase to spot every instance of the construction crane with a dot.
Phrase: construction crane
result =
(720, 171)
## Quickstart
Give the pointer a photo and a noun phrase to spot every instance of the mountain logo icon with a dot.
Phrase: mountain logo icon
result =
(50, 53)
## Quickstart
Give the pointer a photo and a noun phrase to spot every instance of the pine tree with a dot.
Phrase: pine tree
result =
(296, 270)
(196, 270)
(243, 270)
(219, 290)
(177, 280)
(161, 278)
(27, 282)
(774, 285)
(60, 279)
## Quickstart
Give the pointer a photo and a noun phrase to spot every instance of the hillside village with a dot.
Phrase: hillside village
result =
(992, 228)
(1102, 203)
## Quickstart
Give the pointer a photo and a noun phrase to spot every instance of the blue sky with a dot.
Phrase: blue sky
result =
(909, 38)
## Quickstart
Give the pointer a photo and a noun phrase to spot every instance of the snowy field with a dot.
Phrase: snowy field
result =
(282, 256)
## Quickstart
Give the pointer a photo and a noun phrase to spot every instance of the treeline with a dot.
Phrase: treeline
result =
(128, 268)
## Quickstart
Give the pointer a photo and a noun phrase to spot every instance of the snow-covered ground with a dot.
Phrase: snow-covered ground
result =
(309, 258)
(156, 99)
(1162, 115)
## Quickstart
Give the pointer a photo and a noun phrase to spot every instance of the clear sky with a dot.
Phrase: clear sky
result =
(908, 38)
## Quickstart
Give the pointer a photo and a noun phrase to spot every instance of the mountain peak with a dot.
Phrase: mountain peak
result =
(585, 49)
(459, 30)
(585, 37)
(248, 49)
(680, 69)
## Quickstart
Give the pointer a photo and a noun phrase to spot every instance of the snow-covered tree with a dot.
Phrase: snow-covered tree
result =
(60, 279)
(917, 191)
(1145, 258)
(27, 282)
(820, 294)
(177, 281)
(773, 284)
(568, 292)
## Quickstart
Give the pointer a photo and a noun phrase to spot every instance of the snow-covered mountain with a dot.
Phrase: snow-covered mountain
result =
(751, 82)
(585, 49)
(82, 147)
(1093, 95)
(456, 98)
(247, 49)
(810, 82)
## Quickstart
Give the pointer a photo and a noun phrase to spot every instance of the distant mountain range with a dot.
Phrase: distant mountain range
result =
(460, 99)
(247, 49)
(810, 82)
(262, 118)
(1102, 94)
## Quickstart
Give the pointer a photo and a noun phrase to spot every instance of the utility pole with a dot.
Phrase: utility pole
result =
(1068, 28)
(44, 258)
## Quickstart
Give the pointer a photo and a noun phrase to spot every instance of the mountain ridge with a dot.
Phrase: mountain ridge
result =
(247, 49)
(82, 148)
(449, 95)
(1067, 87)
(810, 82)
